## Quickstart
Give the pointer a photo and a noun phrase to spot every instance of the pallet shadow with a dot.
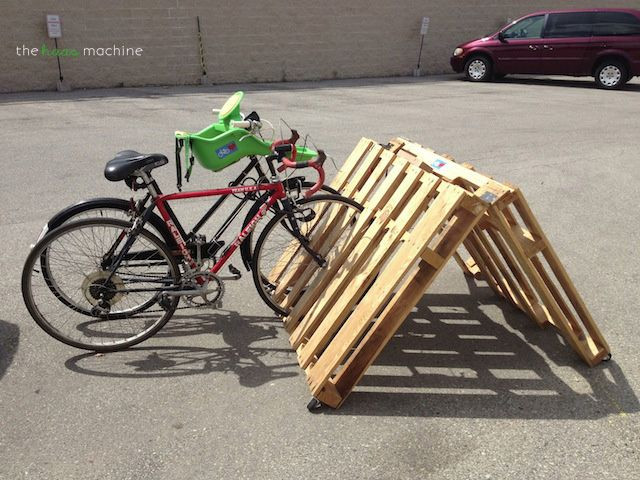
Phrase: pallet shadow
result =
(450, 359)
(9, 339)
(245, 350)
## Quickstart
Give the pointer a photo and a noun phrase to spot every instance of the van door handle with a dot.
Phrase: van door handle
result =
(532, 47)
(547, 47)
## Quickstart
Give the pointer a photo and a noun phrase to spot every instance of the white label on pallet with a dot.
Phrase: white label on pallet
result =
(443, 167)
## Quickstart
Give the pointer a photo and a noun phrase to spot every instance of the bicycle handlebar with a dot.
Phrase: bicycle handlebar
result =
(282, 147)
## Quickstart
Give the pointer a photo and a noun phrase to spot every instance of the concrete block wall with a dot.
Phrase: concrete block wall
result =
(270, 40)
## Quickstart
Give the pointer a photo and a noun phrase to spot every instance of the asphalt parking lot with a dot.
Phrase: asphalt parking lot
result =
(218, 394)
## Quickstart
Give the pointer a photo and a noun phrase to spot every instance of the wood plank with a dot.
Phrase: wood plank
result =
(487, 261)
(294, 249)
(390, 189)
(529, 297)
(512, 287)
(358, 178)
(385, 162)
(432, 258)
(542, 290)
(320, 227)
(341, 233)
(479, 260)
(352, 162)
(451, 170)
(364, 262)
(395, 313)
(329, 395)
(558, 269)
(557, 296)
(298, 278)
(427, 227)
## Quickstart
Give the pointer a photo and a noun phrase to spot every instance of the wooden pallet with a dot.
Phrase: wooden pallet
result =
(412, 223)
(509, 250)
(420, 209)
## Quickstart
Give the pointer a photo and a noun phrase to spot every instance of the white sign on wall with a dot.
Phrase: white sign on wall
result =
(54, 29)
(424, 28)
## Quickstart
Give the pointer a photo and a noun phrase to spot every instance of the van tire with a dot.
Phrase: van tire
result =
(478, 69)
(611, 74)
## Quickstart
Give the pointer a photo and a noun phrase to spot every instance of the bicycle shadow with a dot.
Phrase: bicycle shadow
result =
(450, 359)
(9, 340)
(245, 350)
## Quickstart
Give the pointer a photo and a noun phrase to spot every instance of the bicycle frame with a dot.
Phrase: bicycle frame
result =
(160, 201)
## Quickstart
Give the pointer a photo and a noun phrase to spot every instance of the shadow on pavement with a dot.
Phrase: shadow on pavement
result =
(9, 339)
(253, 363)
(563, 82)
(449, 359)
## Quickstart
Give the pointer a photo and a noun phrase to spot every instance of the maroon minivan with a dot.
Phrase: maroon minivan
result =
(603, 43)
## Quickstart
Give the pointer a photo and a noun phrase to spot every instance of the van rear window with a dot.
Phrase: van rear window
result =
(615, 23)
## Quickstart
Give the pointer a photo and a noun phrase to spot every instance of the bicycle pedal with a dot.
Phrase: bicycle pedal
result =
(235, 272)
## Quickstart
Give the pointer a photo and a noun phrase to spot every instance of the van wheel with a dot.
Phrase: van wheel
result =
(611, 75)
(478, 69)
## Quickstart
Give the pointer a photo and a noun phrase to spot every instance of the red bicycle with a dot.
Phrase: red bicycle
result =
(104, 284)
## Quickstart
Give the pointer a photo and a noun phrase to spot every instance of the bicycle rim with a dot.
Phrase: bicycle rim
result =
(282, 268)
(62, 299)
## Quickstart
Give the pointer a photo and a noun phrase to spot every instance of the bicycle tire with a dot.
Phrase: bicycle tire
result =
(135, 338)
(248, 246)
(262, 280)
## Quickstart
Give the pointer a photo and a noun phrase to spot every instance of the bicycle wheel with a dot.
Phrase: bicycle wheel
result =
(82, 303)
(248, 246)
(282, 267)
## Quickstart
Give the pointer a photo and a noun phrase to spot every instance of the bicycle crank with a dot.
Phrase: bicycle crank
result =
(209, 294)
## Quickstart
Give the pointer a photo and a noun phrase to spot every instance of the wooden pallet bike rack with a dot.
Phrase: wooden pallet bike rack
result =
(420, 208)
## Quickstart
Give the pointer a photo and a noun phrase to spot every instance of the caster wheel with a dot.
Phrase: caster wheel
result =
(315, 405)
(607, 358)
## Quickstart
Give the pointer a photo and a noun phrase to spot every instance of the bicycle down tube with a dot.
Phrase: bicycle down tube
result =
(161, 202)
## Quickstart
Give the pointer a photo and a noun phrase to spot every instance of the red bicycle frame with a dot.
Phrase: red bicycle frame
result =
(162, 199)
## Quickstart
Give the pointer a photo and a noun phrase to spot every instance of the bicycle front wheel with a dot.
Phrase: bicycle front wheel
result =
(295, 245)
(82, 301)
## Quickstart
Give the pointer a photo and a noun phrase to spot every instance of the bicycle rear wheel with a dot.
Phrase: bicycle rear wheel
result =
(80, 301)
(282, 267)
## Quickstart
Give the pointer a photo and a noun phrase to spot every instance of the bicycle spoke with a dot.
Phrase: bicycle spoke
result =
(75, 299)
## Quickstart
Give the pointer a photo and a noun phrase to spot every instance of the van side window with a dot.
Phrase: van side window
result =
(615, 23)
(565, 25)
(530, 27)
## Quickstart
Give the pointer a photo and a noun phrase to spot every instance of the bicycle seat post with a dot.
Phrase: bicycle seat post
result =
(149, 181)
